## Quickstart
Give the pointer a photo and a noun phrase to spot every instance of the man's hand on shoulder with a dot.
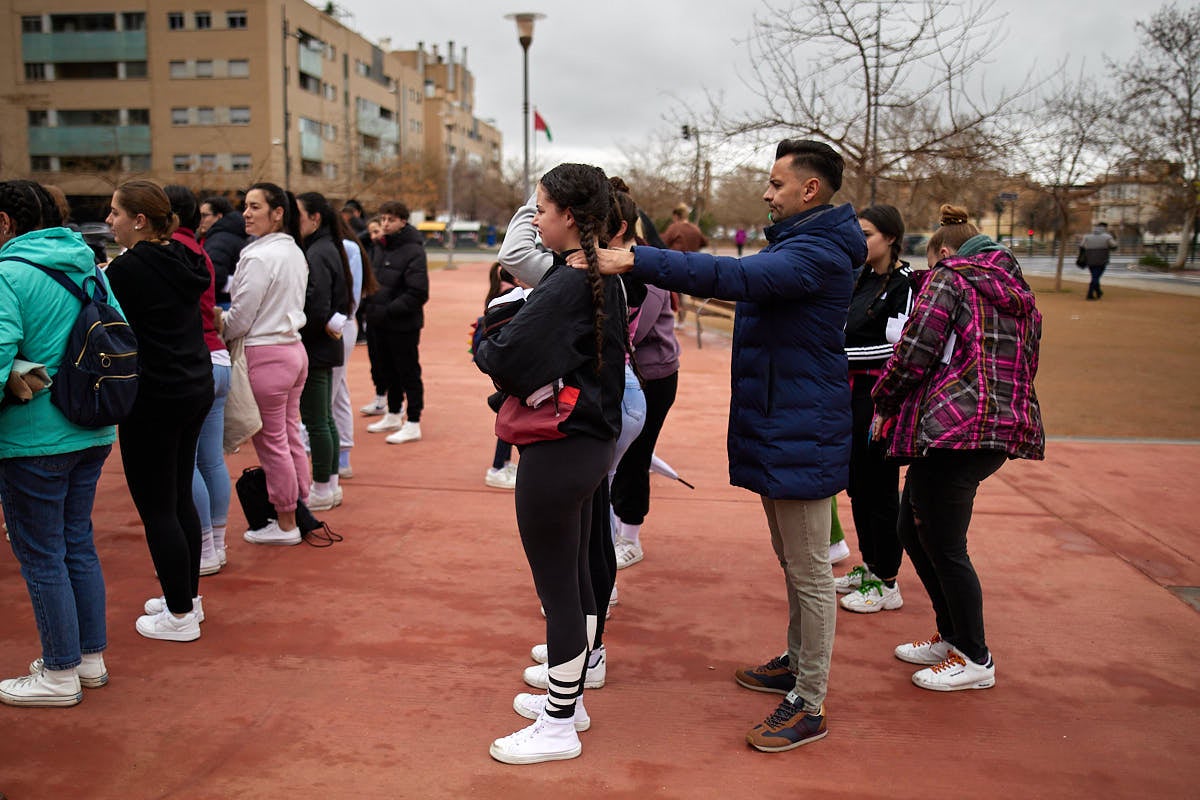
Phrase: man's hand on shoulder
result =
(612, 262)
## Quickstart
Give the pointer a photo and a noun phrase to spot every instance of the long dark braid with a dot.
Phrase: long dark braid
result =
(587, 240)
(29, 206)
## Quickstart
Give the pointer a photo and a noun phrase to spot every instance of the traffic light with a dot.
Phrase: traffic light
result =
(1030, 232)
(687, 131)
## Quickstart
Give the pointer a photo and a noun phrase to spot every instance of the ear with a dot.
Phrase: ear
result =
(139, 221)
(570, 219)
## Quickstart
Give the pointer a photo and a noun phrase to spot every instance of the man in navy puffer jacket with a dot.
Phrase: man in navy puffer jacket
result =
(789, 411)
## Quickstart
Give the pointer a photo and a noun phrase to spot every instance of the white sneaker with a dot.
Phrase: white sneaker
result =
(540, 653)
(49, 687)
(613, 598)
(318, 501)
(409, 432)
(157, 605)
(873, 596)
(957, 672)
(538, 676)
(547, 739)
(346, 472)
(373, 410)
(931, 651)
(532, 706)
(166, 626)
(839, 552)
(628, 553)
(91, 671)
(390, 422)
(211, 565)
(853, 579)
(272, 534)
(223, 555)
(503, 478)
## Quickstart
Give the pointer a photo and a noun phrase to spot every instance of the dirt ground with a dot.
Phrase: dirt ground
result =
(1125, 366)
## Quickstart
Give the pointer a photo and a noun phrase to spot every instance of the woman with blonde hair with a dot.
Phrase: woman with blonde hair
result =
(959, 401)
(159, 282)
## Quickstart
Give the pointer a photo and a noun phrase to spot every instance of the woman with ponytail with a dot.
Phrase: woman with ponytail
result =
(327, 309)
(48, 465)
(159, 282)
(571, 330)
(959, 400)
(267, 310)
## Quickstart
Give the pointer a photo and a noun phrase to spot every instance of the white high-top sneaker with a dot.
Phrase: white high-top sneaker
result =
(531, 706)
(389, 422)
(547, 739)
(91, 670)
(538, 676)
(55, 687)
(409, 432)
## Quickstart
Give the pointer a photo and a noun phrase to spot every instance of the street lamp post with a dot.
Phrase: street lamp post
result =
(449, 120)
(525, 22)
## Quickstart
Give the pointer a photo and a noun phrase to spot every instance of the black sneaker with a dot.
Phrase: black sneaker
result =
(773, 676)
(788, 727)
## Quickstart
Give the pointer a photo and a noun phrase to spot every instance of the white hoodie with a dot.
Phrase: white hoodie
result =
(267, 305)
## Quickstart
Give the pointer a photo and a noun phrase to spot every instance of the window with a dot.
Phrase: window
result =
(179, 116)
(239, 68)
(208, 161)
(203, 20)
(138, 163)
(135, 69)
(205, 116)
(90, 116)
(331, 170)
(88, 163)
(310, 84)
(39, 163)
(179, 69)
(329, 132)
(310, 168)
(235, 19)
(204, 69)
(67, 23)
(239, 115)
(35, 72)
(240, 162)
(182, 163)
(138, 116)
(88, 70)
(133, 21)
(330, 91)
(175, 20)
(39, 119)
(31, 24)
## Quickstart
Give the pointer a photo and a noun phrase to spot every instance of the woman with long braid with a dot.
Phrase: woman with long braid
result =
(570, 330)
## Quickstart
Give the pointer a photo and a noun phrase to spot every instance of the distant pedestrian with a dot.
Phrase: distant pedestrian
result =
(1097, 246)
(739, 238)
(682, 235)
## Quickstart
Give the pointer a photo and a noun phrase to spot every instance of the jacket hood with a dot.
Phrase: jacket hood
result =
(980, 243)
(229, 223)
(995, 274)
(836, 224)
(406, 235)
(184, 271)
(56, 248)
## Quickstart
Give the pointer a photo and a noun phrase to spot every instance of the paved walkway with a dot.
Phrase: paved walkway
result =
(384, 666)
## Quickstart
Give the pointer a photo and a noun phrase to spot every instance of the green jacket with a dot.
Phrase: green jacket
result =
(36, 315)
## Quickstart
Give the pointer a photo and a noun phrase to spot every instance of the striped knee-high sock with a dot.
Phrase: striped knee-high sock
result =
(565, 686)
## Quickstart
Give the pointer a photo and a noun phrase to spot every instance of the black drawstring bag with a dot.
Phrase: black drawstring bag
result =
(256, 505)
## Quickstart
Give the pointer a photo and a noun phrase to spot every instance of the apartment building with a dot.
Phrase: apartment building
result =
(217, 94)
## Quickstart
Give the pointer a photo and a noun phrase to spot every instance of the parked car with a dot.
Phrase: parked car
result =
(915, 244)
(97, 233)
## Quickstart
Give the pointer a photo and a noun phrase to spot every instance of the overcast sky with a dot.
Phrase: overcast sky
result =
(602, 73)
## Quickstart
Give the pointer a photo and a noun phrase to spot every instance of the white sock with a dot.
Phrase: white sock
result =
(381, 401)
(333, 481)
(218, 537)
(631, 532)
(208, 551)
(320, 487)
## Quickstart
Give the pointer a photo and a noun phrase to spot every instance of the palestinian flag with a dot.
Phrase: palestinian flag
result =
(539, 124)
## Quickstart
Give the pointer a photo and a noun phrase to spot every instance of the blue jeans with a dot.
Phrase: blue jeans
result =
(633, 417)
(48, 509)
(210, 481)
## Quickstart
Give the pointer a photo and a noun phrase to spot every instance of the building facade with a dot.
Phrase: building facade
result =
(218, 94)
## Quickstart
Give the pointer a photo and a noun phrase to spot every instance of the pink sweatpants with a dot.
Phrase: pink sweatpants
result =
(277, 375)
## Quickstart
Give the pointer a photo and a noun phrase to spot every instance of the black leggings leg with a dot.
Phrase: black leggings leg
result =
(873, 490)
(602, 559)
(158, 452)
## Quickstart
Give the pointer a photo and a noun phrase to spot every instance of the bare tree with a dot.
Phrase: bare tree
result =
(1159, 113)
(885, 81)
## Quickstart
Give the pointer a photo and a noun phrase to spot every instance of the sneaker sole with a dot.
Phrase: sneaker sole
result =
(581, 725)
(41, 702)
(920, 662)
(171, 636)
(498, 485)
(792, 746)
(508, 758)
(754, 687)
(323, 506)
(210, 570)
(871, 609)
(941, 687)
(280, 542)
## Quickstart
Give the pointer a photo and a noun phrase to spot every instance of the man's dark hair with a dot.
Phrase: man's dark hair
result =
(1102, 225)
(183, 203)
(353, 205)
(219, 204)
(394, 208)
(815, 156)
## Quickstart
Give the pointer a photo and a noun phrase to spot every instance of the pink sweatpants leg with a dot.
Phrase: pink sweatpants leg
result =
(277, 375)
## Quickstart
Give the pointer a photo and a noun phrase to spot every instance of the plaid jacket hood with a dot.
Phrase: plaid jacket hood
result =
(962, 375)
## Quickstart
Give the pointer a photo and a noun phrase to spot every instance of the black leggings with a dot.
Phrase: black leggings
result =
(158, 452)
(631, 484)
(556, 485)
(874, 487)
(935, 513)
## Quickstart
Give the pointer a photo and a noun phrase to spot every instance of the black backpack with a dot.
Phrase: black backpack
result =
(97, 379)
(258, 509)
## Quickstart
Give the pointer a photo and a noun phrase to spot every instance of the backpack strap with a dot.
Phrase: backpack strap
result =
(98, 293)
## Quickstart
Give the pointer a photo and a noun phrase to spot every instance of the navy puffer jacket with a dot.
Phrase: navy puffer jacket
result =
(789, 412)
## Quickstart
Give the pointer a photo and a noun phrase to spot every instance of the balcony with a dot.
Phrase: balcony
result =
(90, 140)
(312, 147)
(83, 46)
(382, 129)
(310, 61)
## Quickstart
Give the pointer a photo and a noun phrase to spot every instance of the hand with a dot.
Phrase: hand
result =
(880, 427)
(612, 262)
(218, 315)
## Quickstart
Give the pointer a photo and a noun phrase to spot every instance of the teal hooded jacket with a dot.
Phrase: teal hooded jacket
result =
(36, 315)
